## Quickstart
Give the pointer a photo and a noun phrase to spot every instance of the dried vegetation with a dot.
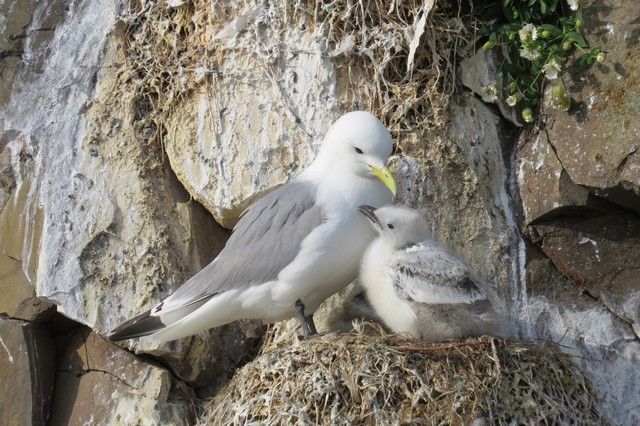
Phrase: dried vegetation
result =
(370, 377)
(398, 60)
(394, 58)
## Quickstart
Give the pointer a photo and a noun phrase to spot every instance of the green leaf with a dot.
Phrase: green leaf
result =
(513, 70)
(576, 38)
(510, 28)
(509, 12)
(543, 7)
(556, 49)
(583, 60)
(553, 30)
(485, 31)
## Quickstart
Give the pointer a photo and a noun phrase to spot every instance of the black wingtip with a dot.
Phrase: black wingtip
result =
(142, 325)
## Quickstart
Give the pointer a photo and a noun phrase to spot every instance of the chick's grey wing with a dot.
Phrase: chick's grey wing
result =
(266, 240)
(426, 273)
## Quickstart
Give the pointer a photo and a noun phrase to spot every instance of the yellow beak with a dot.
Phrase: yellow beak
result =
(386, 177)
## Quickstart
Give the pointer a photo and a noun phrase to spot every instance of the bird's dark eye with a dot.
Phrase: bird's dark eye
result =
(359, 151)
(390, 225)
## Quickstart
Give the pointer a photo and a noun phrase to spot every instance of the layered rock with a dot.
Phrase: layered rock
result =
(579, 178)
(597, 142)
(111, 112)
(94, 220)
(578, 182)
(27, 363)
(99, 383)
(20, 228)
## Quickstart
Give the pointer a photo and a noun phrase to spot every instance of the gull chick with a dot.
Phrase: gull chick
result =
(291, 249)
(415, 286)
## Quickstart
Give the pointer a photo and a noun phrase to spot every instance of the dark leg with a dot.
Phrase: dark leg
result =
(311, 324)
(308, 326)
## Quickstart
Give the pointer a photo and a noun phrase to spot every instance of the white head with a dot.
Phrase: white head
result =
(400, 225)
(358, 143)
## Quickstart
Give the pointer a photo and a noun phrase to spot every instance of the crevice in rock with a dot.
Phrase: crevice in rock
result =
(79, 372)
(591, 296)
(553, 148)
(624, 160)
(613, 312)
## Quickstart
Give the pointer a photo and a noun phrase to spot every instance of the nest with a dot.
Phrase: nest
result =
(377, 378)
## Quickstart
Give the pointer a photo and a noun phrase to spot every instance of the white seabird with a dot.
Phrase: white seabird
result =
(415, 286)
(291, 249)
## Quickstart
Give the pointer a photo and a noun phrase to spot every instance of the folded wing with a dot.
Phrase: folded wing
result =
(265, 241)
(426, 273)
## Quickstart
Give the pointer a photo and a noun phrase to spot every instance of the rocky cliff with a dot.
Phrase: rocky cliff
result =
(133, 133)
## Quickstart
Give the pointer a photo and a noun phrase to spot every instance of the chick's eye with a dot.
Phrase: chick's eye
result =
(358, 150)
(390, 225)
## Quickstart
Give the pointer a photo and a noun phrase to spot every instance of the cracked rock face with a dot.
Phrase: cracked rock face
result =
(27, 366)
(600, 255)
(579, 183)
(579, 178)
(98, 220)
(598, 142)
(99, 383)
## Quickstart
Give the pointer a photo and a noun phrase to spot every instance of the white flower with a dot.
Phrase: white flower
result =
(551, 69)
(573, 4)
(489, 93)
(514, 99)
(529, 54)
(528, 33)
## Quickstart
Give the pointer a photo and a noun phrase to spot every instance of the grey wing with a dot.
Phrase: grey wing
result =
(266, 239)
(426, 273)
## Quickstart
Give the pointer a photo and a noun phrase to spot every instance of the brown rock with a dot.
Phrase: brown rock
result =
(597, 143)
(99, 383)
(600, 254)
(208, 360)
(546, 189)
(27, 369)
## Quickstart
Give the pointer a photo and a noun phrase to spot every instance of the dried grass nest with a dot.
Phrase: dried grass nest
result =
(370, 377)
(172, 51)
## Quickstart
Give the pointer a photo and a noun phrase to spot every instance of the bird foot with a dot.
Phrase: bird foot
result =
(306, 322)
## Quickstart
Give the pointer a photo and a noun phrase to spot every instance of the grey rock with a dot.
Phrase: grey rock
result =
(20, 228)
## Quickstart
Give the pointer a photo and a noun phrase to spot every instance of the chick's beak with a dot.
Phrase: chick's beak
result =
(369, 213)
(384, 174)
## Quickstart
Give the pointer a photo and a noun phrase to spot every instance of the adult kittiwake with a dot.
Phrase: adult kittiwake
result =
(415, 286)
(291, 249)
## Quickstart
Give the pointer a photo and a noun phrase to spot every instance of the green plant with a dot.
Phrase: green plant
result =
(538, 38)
